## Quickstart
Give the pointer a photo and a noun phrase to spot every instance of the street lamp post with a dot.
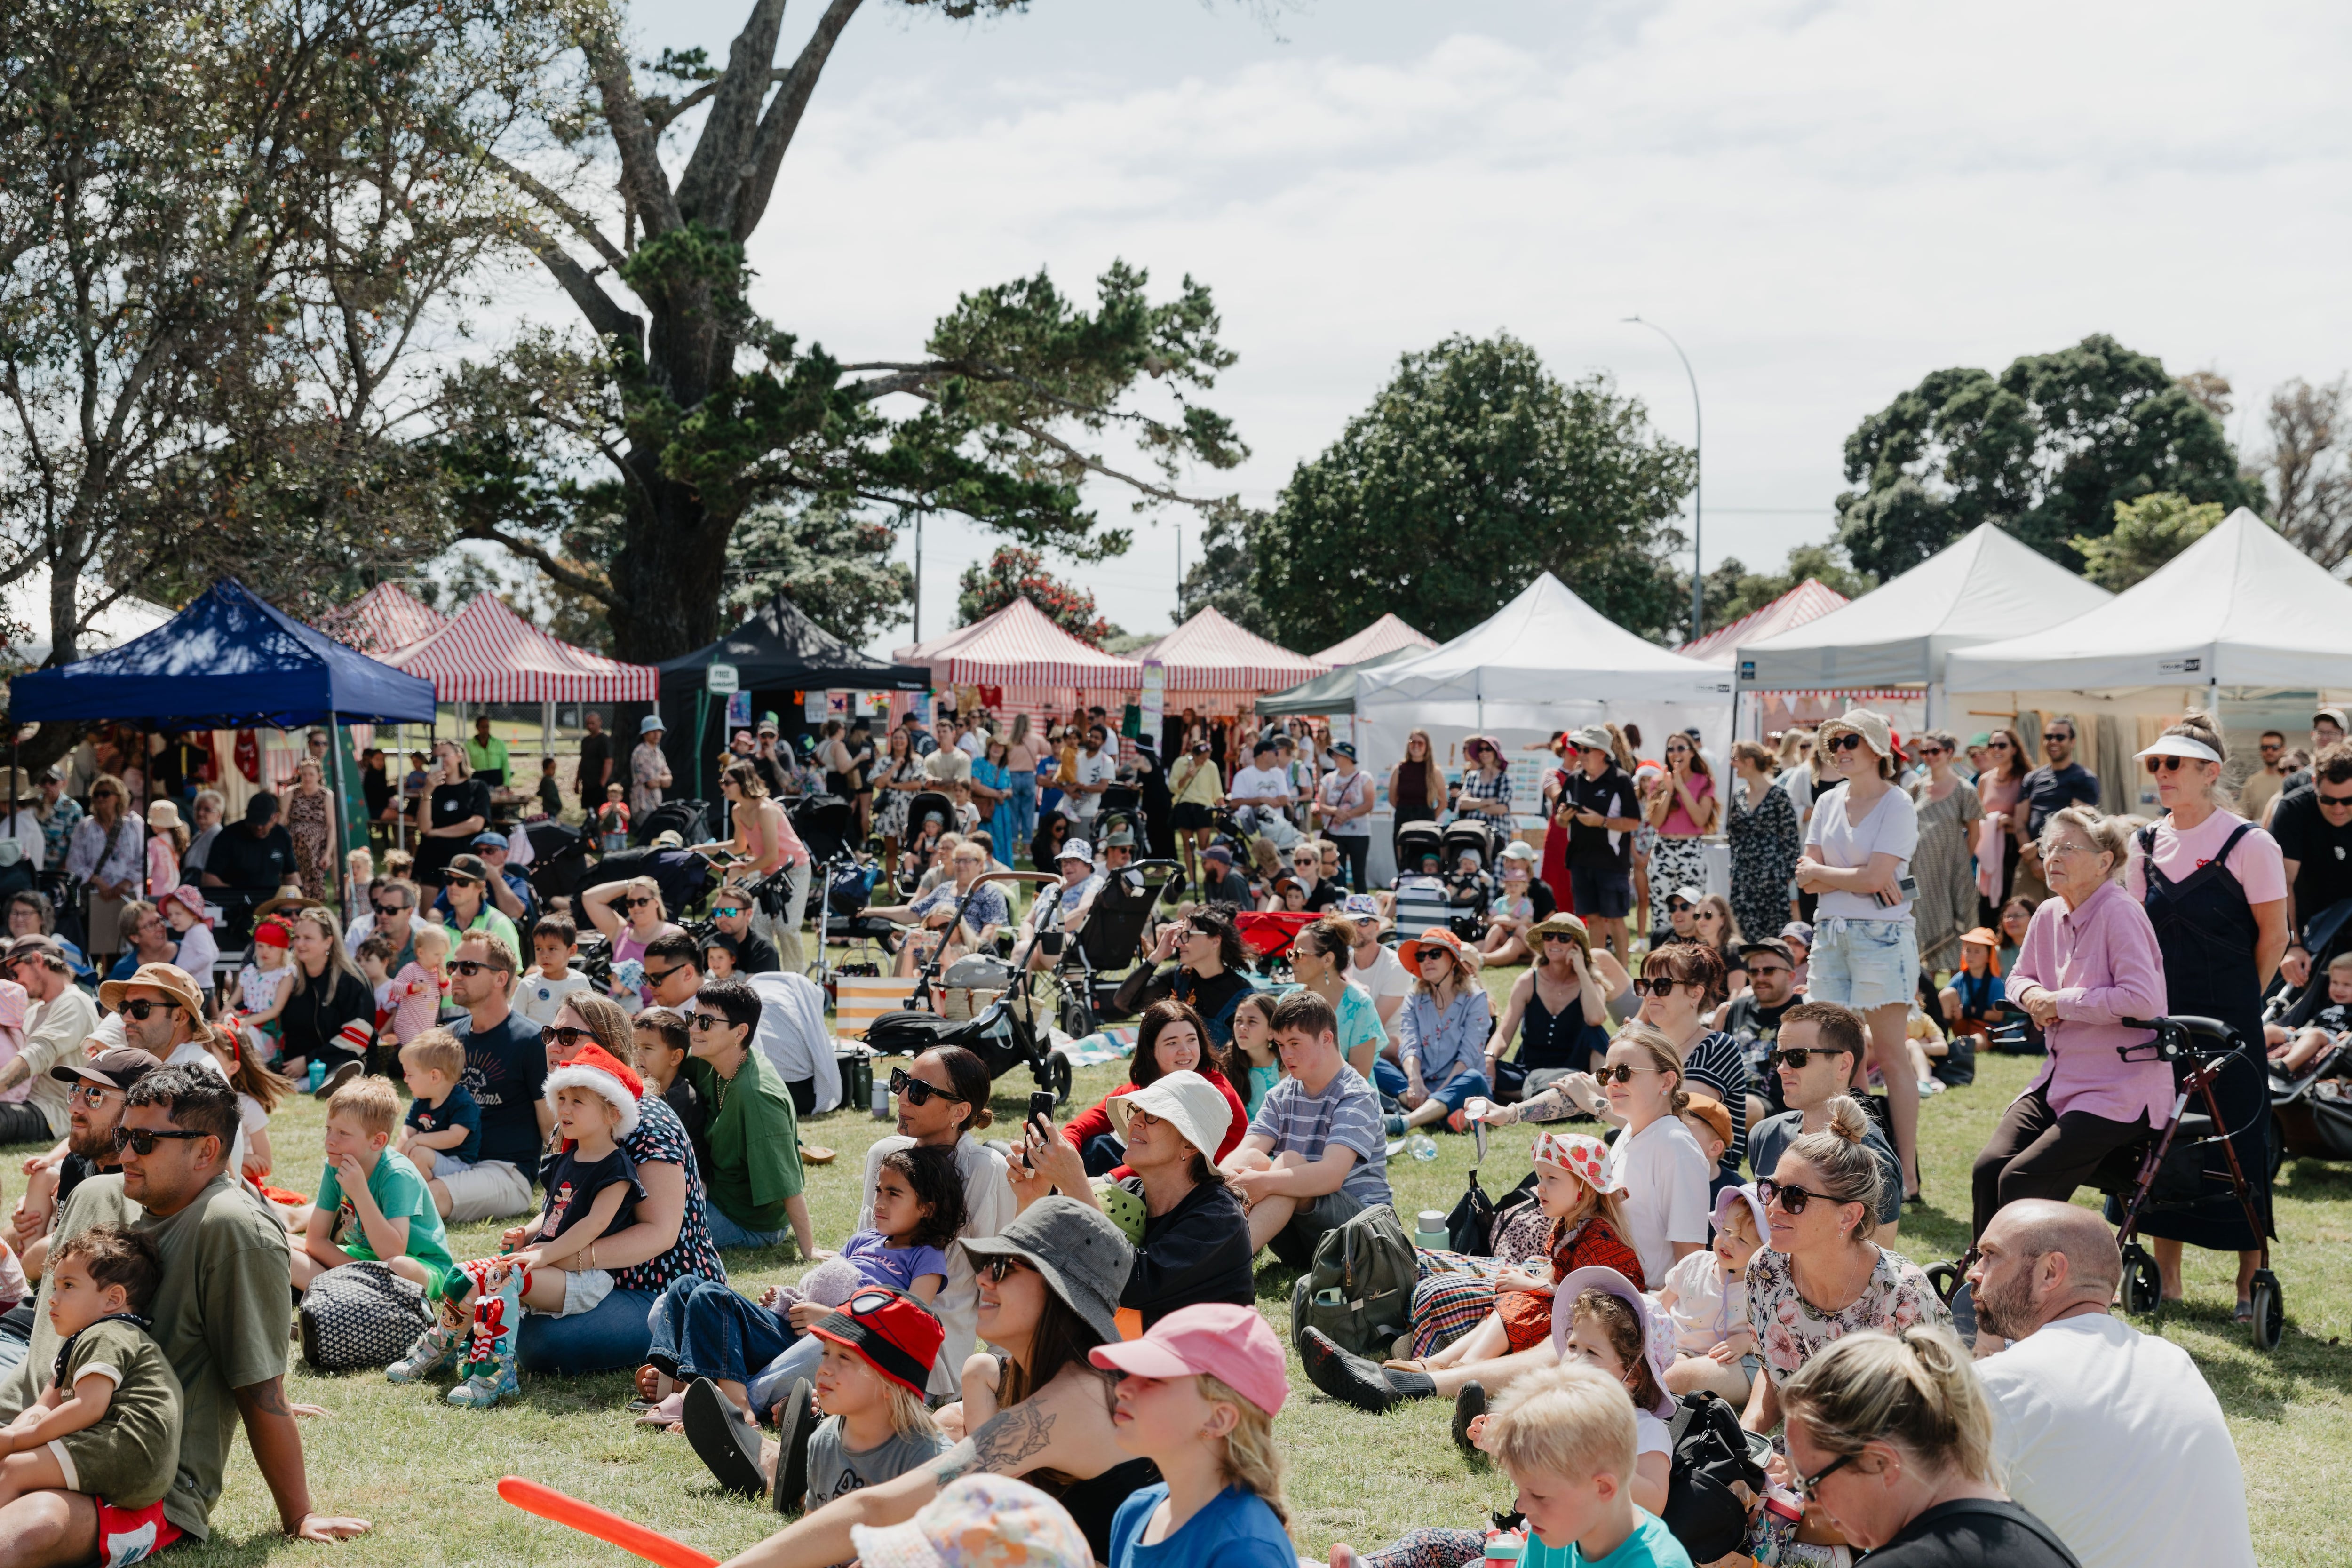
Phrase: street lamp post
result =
(1698, 481)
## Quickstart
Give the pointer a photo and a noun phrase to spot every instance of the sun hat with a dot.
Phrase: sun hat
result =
(168, 978)
(118, 1067)
(1125, 1209)
(1409, 954)
(1235, 1345)
(1559, 923)
(1731, 1197)
(1591, 738)
(2180, 746)
(1080, 1254)
(1712, 1112)
(978, 1522)
(1657, 1330)
(602, 1073)
(162, 814)
(1077, 849)
(1519, 849)
(1118, 839)
(650, 724)
(189, 899)
(1585, 1158)
(668, 839)
(890, 1332)
(1871, 727)
(1186, 1099)
(1360, 906)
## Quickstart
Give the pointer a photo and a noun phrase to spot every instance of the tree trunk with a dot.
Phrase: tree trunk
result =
(670, 572)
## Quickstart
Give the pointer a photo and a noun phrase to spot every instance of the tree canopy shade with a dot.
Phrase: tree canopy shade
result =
(2045, 450)
(1472, 468)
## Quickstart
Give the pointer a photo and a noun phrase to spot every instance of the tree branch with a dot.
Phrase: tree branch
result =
(709, 178)
(577, 581)
(604, 315)
(784, 118)
(539, 191)
(641, 171)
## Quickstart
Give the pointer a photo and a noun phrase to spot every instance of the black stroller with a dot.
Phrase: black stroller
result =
(1416, 840)
(1110, 943)
(689, 819)
(1005, 1034)
(559, 859)
(827, 824)
(1467, 833)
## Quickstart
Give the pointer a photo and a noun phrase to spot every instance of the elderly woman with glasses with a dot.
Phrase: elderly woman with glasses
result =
(2215, 889)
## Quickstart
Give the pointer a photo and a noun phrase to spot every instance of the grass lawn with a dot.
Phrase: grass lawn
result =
(422, 1473)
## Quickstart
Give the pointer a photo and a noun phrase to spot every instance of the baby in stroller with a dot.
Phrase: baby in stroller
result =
(2291, 1051)
(1467, 886)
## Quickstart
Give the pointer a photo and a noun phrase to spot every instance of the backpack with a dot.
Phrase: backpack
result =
(1359, 1288)
(360, 1315)
(1470, 1227)
(1710, 1452)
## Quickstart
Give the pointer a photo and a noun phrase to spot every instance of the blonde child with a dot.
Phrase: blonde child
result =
(258, 1090)
(111, 1407)
(878, 1350)
(265, 982)
(1564, 1436)
(1199, 1396)
(359, 914)
(372, 1205)
(2327, 1028)
(374, 955)
(442, 1134)
(167, 840)
(417, 990)
(1576, 1190)
(198, 955)
(1705, 1296)
(550, 1265)
(1254, 1043)
(555, 943)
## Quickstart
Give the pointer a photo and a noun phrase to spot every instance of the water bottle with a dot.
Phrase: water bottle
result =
(1504, 1549)
(318, 1074)
(1429, 1231)
(881, 1099)
(1421, 1146)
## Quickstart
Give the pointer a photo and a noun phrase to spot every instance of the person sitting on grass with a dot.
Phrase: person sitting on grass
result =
(1315, 1156)
(258, 1090)
(1254, 1054)
(1170, 1037)
(878, 1348)
(1972, 1004)
(1446, 1022)
(442, 1133)
(107, 1423)
(420, 991)
(1705, 1298)
(754, 1176)
(555, 943)
(662, 1042)
(373, 1206)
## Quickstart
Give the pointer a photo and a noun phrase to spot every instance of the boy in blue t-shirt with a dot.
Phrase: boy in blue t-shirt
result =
(443, 1133)
(1565, 1436)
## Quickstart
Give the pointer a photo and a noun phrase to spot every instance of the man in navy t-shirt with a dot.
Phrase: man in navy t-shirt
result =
(506, 1067)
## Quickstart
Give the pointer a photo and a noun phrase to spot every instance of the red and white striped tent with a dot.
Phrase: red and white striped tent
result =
(1808, 600)
(1386, 634)
(385, 619)
(1020, 648)
(489, 654)
(1210, 654)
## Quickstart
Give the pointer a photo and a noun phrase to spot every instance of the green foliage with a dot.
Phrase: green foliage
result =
(1222, 578)
(2147, 532)
(2046, 449)
(831, 561)
(1473, 469)
(1733, 591)
(1012, 573)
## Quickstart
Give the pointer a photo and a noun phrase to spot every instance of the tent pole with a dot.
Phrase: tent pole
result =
(342, 821)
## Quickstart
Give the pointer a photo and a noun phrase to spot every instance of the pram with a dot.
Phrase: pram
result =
(1110, 943)
(683, 875)
(2166, 1169)
(2311, 1112)
(1270, 936)
(1415, 840)
(1468, 833)
(828, 826)
(1006, 1034)
(689, 819)
(559, 859)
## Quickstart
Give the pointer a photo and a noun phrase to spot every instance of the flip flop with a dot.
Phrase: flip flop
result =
(2245, 1313)
(795, 1424)
(816, 1154)
(722, 1439)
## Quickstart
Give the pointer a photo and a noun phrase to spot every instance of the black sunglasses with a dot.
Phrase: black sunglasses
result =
(2169, 765)
(704, 1023)
(1662, 985)
(1997, 745)
(470, 967)
(639, 903)
(1791, 1199)
(2334, 800)
(996, 1268)
(919, 1092)
(566, 1040)
(141, 1008)
(390, 909)
(1620, 1073)
(653, 978)
(143, 1142)
(2047, 737)
(1676, 906)
(1844, 743)
(1797, 1057)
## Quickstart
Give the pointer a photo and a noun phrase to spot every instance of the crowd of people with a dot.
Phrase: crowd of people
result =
(1052, 1336)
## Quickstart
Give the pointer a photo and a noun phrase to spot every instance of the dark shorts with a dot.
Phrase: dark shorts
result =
(1187, 815)
(1601, 892)
(1293, 1244)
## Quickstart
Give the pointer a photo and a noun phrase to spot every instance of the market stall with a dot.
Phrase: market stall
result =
(385, 619)
(1018, 662)
(1388, 635)
(1768, 712)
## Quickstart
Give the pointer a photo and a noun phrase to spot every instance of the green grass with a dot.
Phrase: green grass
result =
(423, 1474)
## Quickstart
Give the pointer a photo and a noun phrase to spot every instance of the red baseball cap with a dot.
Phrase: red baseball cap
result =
(1233, 1344)
(890, 1332)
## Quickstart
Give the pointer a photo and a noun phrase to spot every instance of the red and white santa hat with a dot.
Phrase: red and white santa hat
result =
(1587, 1159)
(598, 1071)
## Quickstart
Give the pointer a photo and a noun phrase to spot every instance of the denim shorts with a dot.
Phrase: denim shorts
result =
(1864, 964)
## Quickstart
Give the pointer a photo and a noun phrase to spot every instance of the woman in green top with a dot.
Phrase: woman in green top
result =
(1318, 957)
(755, 1180)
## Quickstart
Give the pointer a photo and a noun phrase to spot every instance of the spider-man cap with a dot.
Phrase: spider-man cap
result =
(893, 1332)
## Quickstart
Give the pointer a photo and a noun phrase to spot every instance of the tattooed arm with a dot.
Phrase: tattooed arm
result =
(1011, 1443)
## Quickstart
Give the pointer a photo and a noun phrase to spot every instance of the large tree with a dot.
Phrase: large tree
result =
(696, 409)
(2148, 534)
(1733, 591)
(2310, 467)
(1473, 468)
(1012, 573)
(2045, 450)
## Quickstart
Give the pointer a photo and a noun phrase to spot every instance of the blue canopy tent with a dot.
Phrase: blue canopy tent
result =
(228, 662)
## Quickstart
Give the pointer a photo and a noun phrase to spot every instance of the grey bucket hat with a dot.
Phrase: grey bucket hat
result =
(1079, 1252)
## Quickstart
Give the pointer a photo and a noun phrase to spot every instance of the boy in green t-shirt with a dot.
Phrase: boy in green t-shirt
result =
(107, 1425)
(1565, 1436)
(373, 1204)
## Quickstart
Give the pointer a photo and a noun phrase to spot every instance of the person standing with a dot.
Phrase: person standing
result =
(1682, 813)
(2052, 787)
(1416, 785)
(1196, 789)
(1343, 807)
(310, 822)
(1021, 754)
(2326, 730)
(1599, 813)
(648, 769)
(2314, 829)
(1760, 822)
(485, 754)
(109, 854)
(1866, 953)
(595, 761)
(2215, 889)
(1948, 811)
(2000, 831)
(2266, 782)
(1485, 787)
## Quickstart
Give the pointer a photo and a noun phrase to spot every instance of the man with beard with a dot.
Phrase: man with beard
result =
(504, 1067)
(95, 1087)
(1753, 1019)
(2109, 1436)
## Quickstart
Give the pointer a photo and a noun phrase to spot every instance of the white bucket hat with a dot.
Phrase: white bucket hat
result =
(1185, 1099)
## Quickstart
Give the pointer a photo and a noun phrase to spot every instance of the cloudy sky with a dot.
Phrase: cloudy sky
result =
(1821, 201)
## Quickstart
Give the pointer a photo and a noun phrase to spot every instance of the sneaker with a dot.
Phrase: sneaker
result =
(335, 1080)
(1395, 1126)
(483, 1390)
(434, 1349)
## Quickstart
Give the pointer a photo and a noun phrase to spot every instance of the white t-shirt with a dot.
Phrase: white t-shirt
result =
(1891, 827)
(1665, 1175)
(1707, 1308)
(2083, 1404)
(539, 999)
(1260, 784)
(1101, 768)
(1387, 977)
(1650, 1435)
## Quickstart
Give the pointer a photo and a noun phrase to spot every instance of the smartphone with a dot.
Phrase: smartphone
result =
(1906, 888)
(1040, 1111)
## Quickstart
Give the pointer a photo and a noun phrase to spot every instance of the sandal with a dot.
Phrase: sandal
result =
(1412, 1364)
(2245, 1313)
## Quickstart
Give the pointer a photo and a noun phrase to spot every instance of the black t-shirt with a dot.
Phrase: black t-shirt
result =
(2049, 791)
(180, 766)
(453, 803)
(2322, 852)
(1546, 901)
(1328, 894)
(1198, 1251)
(1975, 1532)
(72, 1172)
(254, 864)
(504, 1068)
(573, 1184)
(596, 752)
(375, 785)
(753, 954)
(1610, 794)
(1232, 888)
(1757, 1027)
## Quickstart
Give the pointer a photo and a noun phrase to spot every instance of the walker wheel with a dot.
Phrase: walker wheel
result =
(2270, 1311)
(1944, 1279)
(2143, 1286)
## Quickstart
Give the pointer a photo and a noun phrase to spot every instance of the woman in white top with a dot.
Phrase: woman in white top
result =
(1665, 1171)
(1865, 951)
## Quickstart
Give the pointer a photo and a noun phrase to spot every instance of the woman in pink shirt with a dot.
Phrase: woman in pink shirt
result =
(2089, 960)
(2214, 886)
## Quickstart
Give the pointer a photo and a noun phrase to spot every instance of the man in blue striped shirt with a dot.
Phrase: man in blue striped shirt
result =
(1317, 1152)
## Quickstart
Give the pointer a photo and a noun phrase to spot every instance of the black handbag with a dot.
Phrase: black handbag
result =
(1470, 1228)
(359, 1316)
(1710, 1454)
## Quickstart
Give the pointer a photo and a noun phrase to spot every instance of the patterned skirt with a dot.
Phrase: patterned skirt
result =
(1674, 863)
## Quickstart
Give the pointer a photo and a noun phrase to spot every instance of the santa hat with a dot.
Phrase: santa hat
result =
(598, 1071)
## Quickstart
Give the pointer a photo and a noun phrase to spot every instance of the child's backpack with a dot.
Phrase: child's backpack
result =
(1710, 1452)
(1359, 1288)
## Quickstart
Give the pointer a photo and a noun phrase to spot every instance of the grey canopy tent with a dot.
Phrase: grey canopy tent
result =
(1328, 694)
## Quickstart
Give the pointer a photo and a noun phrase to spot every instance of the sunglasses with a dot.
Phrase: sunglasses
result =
(143, 1142)
(726, 911)
(1430, 950)
(390, 909)
(566, 1040)
(2169, 765)
(1661, 986)
(1845, 743)
(1997, 745)
(996, 1268)
(90, 1094)
(640, 902)
(1766, 971)
(917, 1093)
(470, 967)
(704, 1023)
(1797, 1057)
(653, 978)
(1620, 1073)
(1677, 907)
(2337, 801)
(1791, 1199)
(2048, 736)
(143, 1008)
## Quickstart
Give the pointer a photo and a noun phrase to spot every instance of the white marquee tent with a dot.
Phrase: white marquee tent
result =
(1981, 588)
(2241, 611)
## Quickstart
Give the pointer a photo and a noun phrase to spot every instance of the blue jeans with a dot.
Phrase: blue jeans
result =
(612, 1336)
(705, 1329)
(1454, 1093)
(772, 1382)
(1025, 816)
(726, 1233)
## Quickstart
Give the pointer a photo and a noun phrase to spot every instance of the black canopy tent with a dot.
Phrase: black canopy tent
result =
(778, 649)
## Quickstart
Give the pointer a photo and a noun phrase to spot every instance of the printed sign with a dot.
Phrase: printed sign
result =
(724, 679)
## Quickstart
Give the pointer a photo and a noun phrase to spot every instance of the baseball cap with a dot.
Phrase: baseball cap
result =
(260, 808)
(890, 1331)
(1342, 748)
(768, 725)
(473, 868)
(489, 839)
(1233, 1344)
(1519, 849)
(1360, 906)
(118, 1067)
(1772, 944)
